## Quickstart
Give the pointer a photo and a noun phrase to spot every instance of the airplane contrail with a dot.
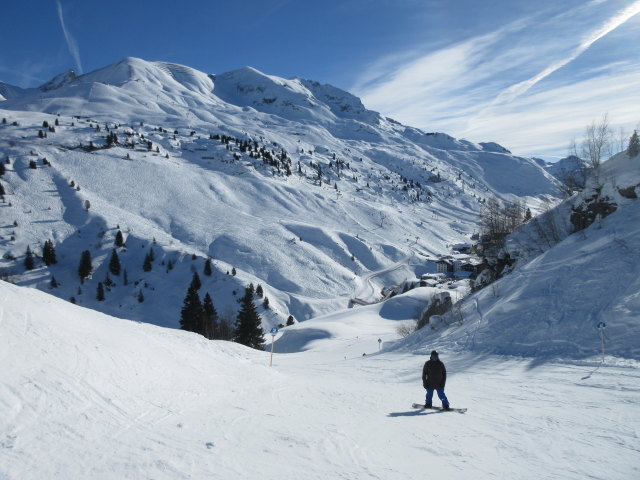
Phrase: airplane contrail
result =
(614, 22)
(71, 43)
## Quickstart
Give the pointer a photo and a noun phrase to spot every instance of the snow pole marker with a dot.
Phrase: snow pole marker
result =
(273, 333)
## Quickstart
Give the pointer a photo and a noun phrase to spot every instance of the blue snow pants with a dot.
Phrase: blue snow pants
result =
(441, 396)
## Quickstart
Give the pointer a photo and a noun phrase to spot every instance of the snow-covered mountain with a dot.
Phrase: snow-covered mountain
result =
(572, 171)
(294, 184)
(546, 356)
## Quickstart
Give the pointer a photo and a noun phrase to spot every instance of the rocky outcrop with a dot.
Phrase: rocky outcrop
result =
(629, 192)
(439, 305)
(592, 208)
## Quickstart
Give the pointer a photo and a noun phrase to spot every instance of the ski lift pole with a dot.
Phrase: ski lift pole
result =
(379, 344)
(273, 333)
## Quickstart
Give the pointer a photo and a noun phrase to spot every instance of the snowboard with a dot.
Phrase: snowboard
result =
(421, 405)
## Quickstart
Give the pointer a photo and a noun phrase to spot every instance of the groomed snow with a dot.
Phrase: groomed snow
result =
(84, 395)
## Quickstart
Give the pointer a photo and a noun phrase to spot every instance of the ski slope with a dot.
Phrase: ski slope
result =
(85, 395)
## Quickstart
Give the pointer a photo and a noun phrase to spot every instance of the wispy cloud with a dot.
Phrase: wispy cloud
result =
(71, 42)
(543, 123)
(614, 22)
(25, 76)
(482, 88)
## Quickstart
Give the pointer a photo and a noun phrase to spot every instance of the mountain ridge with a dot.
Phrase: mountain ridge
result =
(303, 195)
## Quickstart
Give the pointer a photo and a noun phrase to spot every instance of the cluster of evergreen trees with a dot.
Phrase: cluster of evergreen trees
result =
(280, 160)
(200, 316)
(197, 315)
(48, 255)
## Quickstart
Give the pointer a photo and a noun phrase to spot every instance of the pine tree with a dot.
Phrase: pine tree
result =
(100, 292)
(191, 313)
(224, 330)
(53, 283)
(147, 266)
(207, 267)
(119, 241)
(85, 268)
(114, 263)
(49, 253)
(259, 291)
(634, 145)
(195, 281)
(248, 323)
(28, 259)
(209, 318)
(290, 321)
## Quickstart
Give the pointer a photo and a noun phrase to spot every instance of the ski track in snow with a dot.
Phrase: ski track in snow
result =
(89, 396)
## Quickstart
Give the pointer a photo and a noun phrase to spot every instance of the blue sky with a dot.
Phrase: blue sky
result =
(528, 75)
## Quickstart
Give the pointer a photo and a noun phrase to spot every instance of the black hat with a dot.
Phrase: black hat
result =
(434, 354)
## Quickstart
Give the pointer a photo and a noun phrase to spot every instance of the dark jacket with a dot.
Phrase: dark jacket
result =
(434, 374)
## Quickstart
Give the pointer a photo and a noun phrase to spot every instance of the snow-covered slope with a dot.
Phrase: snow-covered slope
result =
(84, 395)
(304, 191)
(566, 283)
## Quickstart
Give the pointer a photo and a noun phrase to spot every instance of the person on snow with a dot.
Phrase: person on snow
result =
(434, 376)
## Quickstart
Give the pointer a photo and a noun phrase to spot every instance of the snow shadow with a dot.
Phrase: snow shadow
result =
(414, 413)
(294, 341)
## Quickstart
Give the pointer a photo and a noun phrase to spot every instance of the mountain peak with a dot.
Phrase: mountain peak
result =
(58, 81)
